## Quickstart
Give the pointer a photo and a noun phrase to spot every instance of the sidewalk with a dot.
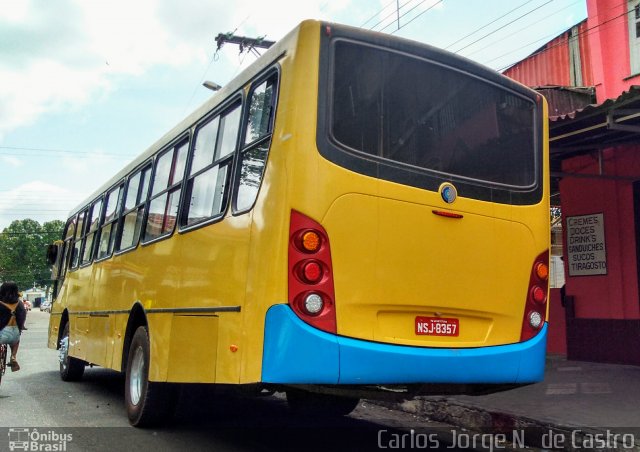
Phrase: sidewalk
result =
(590, 397)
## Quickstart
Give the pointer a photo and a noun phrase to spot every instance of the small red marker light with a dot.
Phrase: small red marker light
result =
(312, 272)
(538, 295)
(443, 213)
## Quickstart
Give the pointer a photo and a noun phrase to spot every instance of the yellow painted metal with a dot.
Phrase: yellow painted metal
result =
(393, 259)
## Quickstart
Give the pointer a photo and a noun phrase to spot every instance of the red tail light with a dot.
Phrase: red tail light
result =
(311, 292)
(535, 310)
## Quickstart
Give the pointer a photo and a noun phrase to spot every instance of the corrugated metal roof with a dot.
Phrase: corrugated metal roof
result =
(566, 99)
(628, 96)
(550, 65)
(597, 126)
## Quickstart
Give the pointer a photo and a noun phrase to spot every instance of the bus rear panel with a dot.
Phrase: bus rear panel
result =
(430, 203)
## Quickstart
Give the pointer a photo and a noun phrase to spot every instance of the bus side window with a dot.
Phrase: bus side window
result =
(93, 221)
(258, 130)
(134, 208)
(108, 230)
(215, 143)
(68, 243)
(79, 240)
(165, 192)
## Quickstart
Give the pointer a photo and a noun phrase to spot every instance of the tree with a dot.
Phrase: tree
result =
(23, 252)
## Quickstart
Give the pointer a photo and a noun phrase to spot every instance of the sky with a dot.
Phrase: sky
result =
(87, 85)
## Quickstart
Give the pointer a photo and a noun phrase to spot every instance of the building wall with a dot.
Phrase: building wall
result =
(614, 295)
(603, 40)
(609, 46)
(550, 65)
(557, 338)
(601, 312)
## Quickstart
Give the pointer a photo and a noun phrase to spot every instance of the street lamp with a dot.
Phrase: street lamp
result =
(212, 85)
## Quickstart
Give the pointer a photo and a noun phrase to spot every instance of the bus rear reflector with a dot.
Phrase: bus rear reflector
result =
(311, 289)
(536, 299)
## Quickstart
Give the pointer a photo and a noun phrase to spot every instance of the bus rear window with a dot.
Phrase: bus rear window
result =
(426, 116)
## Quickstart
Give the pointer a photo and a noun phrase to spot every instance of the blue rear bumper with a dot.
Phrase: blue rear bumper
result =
(296, 353)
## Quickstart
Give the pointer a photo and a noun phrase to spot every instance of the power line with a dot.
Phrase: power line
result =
(39, 210)
(418, 15)
(545, 37)
(64, 151)
(35, 199)
(486, 25)
(51, 156)
(546, 49)
(390, 14)
(379, 12)
(504, 26)
(31, 233)
(214, 57)
(520, 30)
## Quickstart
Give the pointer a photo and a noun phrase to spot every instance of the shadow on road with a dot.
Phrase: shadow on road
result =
(207, 415)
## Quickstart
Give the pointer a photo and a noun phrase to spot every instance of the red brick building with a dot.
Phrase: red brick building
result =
(589, 76)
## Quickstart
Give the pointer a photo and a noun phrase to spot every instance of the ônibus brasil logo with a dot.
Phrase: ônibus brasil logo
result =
(30, 439)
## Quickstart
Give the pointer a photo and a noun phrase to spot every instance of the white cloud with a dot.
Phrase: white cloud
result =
(65, 54)
(45, 68)
(10, 160)
(37, 200)
(14, 10)
(66, 61)
(45, 85)
(84, 166)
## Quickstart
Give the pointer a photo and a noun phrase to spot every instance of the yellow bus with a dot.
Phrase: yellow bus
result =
(353, 213)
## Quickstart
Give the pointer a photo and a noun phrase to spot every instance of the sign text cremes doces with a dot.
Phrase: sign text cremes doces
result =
(586, 248)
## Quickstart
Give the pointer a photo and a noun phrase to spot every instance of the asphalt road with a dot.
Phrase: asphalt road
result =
(38, 411)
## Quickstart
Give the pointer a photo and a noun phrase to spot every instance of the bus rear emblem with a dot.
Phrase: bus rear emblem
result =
(448, 192)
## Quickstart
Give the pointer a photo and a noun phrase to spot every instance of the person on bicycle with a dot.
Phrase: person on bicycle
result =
(12, 318)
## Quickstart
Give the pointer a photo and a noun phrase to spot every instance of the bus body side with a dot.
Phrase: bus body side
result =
(189, 289)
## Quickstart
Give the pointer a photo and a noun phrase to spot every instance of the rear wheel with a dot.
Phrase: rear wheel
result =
(71, 369)
(147, 403)
(311, 403)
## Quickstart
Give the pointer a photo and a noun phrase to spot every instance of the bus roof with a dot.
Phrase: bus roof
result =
(274, 53)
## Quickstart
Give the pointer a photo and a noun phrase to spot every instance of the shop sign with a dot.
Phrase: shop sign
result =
(586, 248)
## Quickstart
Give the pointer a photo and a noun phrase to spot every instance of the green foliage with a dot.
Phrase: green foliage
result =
(23, 252)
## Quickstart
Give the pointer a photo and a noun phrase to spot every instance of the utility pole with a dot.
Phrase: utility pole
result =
(244, 43)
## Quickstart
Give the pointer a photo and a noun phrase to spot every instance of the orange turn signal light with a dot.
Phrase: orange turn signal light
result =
(311, 241)
(542, 271)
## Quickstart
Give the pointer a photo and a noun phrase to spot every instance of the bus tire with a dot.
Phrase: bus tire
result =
(148, 404)
(311, 403)
(71, 369)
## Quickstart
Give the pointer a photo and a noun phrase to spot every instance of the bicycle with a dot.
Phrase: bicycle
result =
(3, 360)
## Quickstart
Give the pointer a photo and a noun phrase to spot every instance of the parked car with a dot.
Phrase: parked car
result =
(45, 306)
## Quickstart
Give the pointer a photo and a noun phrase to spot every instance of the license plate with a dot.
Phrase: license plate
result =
(437, 326)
